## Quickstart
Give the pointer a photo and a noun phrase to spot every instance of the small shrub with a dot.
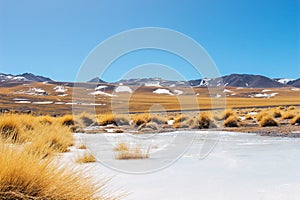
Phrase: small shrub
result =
(132, 153)
(248, 117)
(122, 146)
(139, 119)
(223, 116)
(295, 120)
(260, 115)
(82, 146)
(106, 119)
(157, 119)
(277, 113)
(268, 120)
(291, 108)
(86, 158)
(26, 176)
(46, 120)
(205, 121)
(87, 119)
(231, 121)
(9, 128)
(68, 120)
(288, 115)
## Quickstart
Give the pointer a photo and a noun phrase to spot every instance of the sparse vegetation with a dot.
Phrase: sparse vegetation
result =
(268, 120)
(82, 146)
(9, 128)
(122, 146)
(231, 121)
(288, 114)
(126, 152)
(296, 120)
(86, 158)
(205, 121)
(26, 176)
(108, 118)
(224, 115)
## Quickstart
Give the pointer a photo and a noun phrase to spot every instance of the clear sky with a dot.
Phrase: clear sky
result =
(52, 38)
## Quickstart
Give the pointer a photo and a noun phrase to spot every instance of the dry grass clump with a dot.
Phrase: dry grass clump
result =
(122, 146)
(86, 158)
(9, 128)
(26, 176)
(205, 121)
(46, 120)
(232, 121)
(288, 114)
(139, 119)
(295, 120)
(291, 108)
(131, 152)
(86, 119)
(106, 119)
(224, 115)
(268, 120)
(248, 117)
(182, 121)
(50, 140)
(149, 125)
(157, 119)
(277, 113)
(260, 115)
(82, 146)
(67, 120)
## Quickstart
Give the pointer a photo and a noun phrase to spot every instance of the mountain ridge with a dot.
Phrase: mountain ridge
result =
(234, 80)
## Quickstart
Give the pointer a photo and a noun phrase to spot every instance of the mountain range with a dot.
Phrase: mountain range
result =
(234, 80)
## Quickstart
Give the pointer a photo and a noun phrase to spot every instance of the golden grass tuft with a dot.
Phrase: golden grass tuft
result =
(9, 128)
(295, 120)
(128, 152)
(232, 121)
(224, 115)
(205, 121)
(122, 146)
(109, 118)
(67, 120)
(139, 119)
(86, 119)
(86, 158)
(268, 120)
(288, 114)
(248, 117)
(291, 108)
(26, 176)
(46, 120)
(81, 146)
(260, 115)
(277, 113)
(50, 140)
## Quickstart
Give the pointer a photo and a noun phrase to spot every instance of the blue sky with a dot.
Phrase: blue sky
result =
(52, 38)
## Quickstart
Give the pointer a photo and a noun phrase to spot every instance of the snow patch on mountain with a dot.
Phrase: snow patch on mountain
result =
(284, 80)
(60, 89)
(178, 92)
(102, 93)
(123, 88)
(163, 91)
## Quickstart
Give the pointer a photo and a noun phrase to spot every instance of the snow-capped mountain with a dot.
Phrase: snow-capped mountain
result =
(283, 80)
(295, 83)
(238, 80)
(23, 77)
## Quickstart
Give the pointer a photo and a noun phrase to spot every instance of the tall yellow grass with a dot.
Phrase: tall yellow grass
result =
(127, 152)
(26, 176)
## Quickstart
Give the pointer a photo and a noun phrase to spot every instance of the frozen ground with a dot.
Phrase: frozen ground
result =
(241, 166)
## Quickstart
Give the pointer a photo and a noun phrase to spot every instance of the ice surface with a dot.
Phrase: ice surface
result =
(241, 166)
